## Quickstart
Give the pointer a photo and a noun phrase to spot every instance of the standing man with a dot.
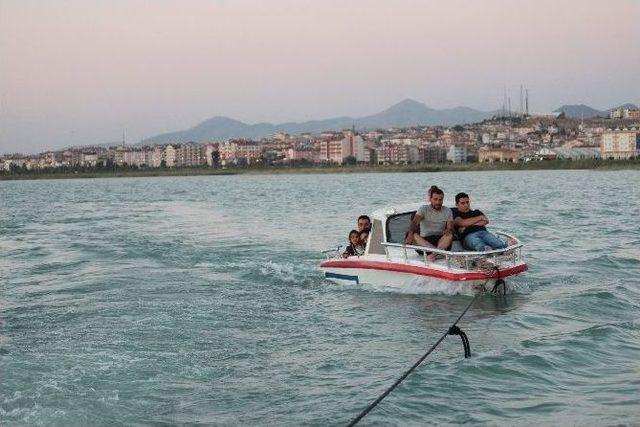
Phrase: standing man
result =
(364, 223)
(432, 225)
(471, 227)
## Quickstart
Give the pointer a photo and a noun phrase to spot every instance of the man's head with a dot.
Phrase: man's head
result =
(436, 197)
(364, 223)
(462, 202)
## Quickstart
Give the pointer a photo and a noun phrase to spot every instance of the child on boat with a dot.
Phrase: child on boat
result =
(364, 236)
(354, 244)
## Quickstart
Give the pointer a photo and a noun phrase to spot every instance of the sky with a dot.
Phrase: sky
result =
(81, 72)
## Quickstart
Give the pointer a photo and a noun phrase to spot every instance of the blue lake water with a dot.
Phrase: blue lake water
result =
(198, 300)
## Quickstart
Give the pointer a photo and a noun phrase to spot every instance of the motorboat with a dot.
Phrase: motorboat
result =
(388, 262)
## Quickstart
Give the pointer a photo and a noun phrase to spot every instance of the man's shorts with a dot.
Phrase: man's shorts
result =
(433, 239)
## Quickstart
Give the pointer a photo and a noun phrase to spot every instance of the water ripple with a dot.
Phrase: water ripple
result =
(198, 300)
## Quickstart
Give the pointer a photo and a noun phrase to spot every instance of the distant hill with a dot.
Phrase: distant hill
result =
(414, 113)
(581, 110)
(402, 114)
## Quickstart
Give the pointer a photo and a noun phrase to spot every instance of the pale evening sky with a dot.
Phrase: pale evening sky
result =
(83, 71)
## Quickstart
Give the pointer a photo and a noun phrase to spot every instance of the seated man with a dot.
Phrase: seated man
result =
(364, 223)
(470, 225)
(435, 223)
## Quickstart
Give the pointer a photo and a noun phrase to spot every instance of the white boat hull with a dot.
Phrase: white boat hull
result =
(380, 272)
(358, 276)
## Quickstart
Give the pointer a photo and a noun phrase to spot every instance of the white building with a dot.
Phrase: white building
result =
(134, 157)
(169, 156)
(89, 159)
(457, 153)
(620, 143)
(153, 157)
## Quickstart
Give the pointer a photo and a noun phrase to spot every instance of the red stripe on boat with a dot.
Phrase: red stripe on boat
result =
(425, 271)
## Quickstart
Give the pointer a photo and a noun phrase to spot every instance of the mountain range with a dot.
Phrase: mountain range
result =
(403, 114)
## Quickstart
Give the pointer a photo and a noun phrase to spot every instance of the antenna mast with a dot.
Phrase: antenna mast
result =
(521, 102)
(504, 102)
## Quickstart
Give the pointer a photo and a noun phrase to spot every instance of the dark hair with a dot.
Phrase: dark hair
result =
(352, 232)
(364, 217)
(435, 190)
(461, 196)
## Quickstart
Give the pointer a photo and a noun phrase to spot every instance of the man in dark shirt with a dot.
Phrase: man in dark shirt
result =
(364, 223)
(470, 225)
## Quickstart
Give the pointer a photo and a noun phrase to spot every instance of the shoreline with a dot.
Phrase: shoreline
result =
(589, 164)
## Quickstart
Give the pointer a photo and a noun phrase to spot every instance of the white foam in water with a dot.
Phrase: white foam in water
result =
(519, 287)
(287, 272)
(426, 286)
(419, 286)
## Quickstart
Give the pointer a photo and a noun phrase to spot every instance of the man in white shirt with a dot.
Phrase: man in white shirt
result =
(435, 223)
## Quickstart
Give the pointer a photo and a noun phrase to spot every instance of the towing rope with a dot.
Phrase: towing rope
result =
(453, 330)
(499, 282)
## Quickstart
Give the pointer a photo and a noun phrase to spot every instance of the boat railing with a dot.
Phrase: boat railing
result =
(513, 251)
(333, 252)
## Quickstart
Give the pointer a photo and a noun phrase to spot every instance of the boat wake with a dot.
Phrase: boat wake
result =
(424, 286)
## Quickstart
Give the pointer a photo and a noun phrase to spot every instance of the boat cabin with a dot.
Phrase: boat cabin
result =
(389, 225)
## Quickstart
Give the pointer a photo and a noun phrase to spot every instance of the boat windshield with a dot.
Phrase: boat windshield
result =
(397, 226)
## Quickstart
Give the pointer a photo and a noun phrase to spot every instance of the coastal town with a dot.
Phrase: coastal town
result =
(517, 138)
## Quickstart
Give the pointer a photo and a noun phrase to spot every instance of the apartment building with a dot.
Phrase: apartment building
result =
(336, 151)
(394, 153)
(620, 143)
(294, 153)
(153, 156)
(434, 154)
(169, 156)
(89, 159)
(134, 157)
(457, 153)
(189, 154)
(249, 151)
(233, 151)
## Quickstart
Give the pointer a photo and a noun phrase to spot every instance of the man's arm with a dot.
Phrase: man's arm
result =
(449, 227)
(413, 227)
(474, 220)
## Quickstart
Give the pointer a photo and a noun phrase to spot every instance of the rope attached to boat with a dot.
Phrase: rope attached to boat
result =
(499, 282)
(453, 330)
